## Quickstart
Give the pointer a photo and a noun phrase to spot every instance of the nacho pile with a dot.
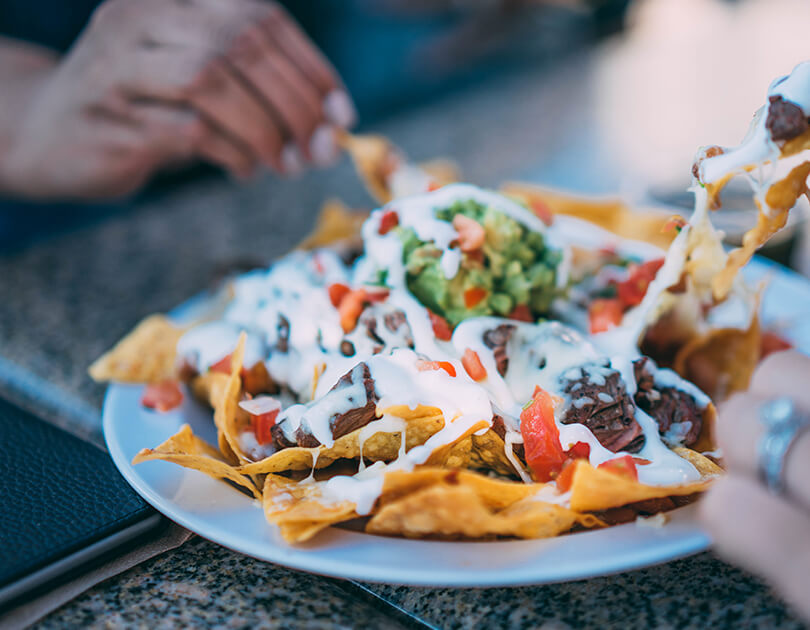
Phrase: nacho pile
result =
(463, 363)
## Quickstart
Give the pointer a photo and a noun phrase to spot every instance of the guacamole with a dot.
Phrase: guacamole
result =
(512, 274)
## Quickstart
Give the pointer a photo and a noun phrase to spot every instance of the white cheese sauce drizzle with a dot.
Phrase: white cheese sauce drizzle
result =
(757, 150)
(293, 326)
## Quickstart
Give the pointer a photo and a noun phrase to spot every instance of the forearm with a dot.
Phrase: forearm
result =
(23, 69)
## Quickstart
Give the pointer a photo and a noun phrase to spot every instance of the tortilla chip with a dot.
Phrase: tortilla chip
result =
(299, 510)
(229, 418)
(381, 446)
(435, 502)
(489, 451)
(721, 361)
(335, 222)
(595, 489)
(609, 214)
(375, 158)
(186, 449)
(780, 198)
(146, 355)
(209, 387)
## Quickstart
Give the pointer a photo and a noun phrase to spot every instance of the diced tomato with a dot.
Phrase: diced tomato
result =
(604, 314)
(163, 396)
(262, 424)
(440, 326)
(522, 313)
(377, 294)
(473, 296)
(771, 342)
(425, 366)
(472, 363)
(623, 466)
(433, 186)
(471, 234)
(566, 476)
(350, 308)
(632, 291)
(388, 221)
(580, 450)
(337, 292)
(541, 210)
(223, 365)
(541, 437)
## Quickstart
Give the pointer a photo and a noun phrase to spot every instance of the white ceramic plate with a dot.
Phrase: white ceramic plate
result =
(216, 511)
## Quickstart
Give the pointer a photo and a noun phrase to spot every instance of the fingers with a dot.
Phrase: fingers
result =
(784, 374)
(171, 75)
(740, 429)
(762, 532)
(177, 134)
(293, 100)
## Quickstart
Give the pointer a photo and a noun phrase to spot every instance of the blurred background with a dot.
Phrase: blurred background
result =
(601, 96)
(607, 97)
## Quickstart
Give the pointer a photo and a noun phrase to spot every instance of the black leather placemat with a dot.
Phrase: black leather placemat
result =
(58, 494)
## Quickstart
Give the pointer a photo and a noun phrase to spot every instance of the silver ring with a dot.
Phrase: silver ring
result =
(783, 423)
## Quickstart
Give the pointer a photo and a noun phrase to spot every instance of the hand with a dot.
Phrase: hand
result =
(767, 534)
(153, 83)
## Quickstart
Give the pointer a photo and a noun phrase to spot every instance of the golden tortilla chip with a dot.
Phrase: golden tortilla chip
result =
(375, 158)
(229, 418)
(380, 446)
(335, 222)
(186, 449)
(299, 510)
(435, 502)
(146, 355)
(721, 361)
(780, 198)
(489, 451)
(611, 215)
(595, 489)
(209, 387)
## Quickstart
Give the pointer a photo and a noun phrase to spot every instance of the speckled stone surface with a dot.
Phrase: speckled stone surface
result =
(698, 592)
(204, 585)
(66, 300)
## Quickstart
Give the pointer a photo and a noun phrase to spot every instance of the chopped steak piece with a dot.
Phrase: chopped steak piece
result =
(599, 400)
(380, 326)
(341, 423)
(679, 418)
(496, 340)
(785, 120)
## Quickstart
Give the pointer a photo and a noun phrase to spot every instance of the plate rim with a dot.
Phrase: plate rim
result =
(310, 560)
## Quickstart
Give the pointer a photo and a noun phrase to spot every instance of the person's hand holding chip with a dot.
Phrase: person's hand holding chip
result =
(153, 83)
(759, 515)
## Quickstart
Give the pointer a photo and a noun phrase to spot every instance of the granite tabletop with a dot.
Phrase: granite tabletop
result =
(67, 299)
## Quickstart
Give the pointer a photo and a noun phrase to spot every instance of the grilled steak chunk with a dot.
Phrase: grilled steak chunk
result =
(785, 120)
(679, 418)
(340, 423)
(496, 340)
(600, 401)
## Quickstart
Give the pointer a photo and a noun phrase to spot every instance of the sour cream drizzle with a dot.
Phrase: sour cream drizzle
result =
(295, 329)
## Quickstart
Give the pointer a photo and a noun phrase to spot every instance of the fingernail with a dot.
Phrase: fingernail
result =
(339, 108)
(322, 146)
(291, 160)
